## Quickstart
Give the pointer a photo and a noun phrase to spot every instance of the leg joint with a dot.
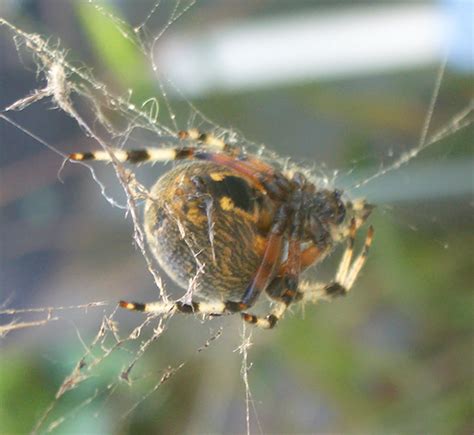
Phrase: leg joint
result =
(133, 306)
(335, 289)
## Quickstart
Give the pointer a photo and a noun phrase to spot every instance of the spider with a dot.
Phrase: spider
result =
(233, 226)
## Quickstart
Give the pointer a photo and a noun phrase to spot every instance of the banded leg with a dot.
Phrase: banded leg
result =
(361, 209)
(218, 144)
(270, 181)
(307, 292)
(277, 287)
(346, 273)
(207, 308)
(209, 140)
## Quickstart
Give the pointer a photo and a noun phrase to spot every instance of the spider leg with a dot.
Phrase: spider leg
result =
(307, 292)
(343, 268)
(253, 163)
(160, 307)
(361, 210)
(262, 176)
(276, 289)
(358, 264)
(345, 275)
(290, 291)
(308, 257)
(209, 140)
(290, 279)
(218, 144)
(269, 263)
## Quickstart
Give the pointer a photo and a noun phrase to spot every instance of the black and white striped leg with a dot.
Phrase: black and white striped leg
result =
(215, 308)
(273, 183)
(159, 307)
(263, 175)
(153, 154)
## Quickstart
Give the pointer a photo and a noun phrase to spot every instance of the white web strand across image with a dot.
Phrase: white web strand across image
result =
(106, 119)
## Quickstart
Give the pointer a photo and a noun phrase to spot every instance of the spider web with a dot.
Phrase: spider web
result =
(107, 118)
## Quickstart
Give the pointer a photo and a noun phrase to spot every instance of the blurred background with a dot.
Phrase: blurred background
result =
(341, 85)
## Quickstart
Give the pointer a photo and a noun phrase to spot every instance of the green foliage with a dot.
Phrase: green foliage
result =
(117, 49)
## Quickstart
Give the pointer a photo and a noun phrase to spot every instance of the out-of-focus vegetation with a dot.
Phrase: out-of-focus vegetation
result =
(395, 356)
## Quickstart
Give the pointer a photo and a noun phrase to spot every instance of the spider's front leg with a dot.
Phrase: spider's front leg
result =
(262, 176)
(346, 273)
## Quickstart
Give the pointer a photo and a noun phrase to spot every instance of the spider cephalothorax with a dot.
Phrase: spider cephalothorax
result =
(230, 226)
(326, 210)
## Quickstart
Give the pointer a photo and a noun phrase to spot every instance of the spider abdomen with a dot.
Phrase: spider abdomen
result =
(203, 226)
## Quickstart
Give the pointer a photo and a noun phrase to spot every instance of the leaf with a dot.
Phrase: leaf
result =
(115, 46)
